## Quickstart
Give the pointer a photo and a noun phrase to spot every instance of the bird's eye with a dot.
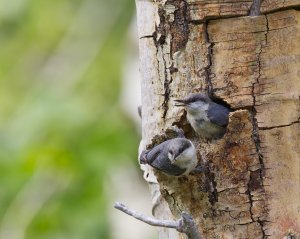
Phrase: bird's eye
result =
(171, 155)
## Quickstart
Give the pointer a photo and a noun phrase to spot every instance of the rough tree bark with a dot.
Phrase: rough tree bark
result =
(252, 189)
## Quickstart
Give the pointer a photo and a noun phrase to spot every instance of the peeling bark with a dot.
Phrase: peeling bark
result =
(252, 187)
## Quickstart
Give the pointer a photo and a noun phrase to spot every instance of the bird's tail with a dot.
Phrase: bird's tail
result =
(143, 157)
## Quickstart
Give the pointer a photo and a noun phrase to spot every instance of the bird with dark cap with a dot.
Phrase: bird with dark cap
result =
(174, 157)
(207, 118)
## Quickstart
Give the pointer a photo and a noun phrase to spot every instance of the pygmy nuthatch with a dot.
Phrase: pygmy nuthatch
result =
(174, 157)
(207, 118)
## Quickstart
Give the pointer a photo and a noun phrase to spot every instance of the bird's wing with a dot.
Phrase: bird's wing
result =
(158, 158)
(155, 152)
(164, 164)
(184, 144)
(218, 114)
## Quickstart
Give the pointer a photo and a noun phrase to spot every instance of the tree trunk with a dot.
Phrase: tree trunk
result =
(252, 189)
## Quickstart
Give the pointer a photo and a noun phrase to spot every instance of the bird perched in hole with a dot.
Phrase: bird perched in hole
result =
(174, 157)
(206, 117)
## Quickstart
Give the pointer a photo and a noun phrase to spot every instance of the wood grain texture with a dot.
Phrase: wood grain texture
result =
(252, 187)
(201, 10)
(274, 5)
(280, 147)
(277, 94)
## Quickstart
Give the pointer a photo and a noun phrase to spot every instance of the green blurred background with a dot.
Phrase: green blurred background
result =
(62, 128)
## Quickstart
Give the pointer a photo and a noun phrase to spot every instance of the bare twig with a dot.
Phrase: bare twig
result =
(143, 218)
(185, 224)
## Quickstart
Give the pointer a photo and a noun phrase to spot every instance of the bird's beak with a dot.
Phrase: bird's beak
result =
(180, 103)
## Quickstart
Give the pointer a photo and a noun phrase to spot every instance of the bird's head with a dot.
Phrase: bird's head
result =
(176, 147)
(193, 102)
